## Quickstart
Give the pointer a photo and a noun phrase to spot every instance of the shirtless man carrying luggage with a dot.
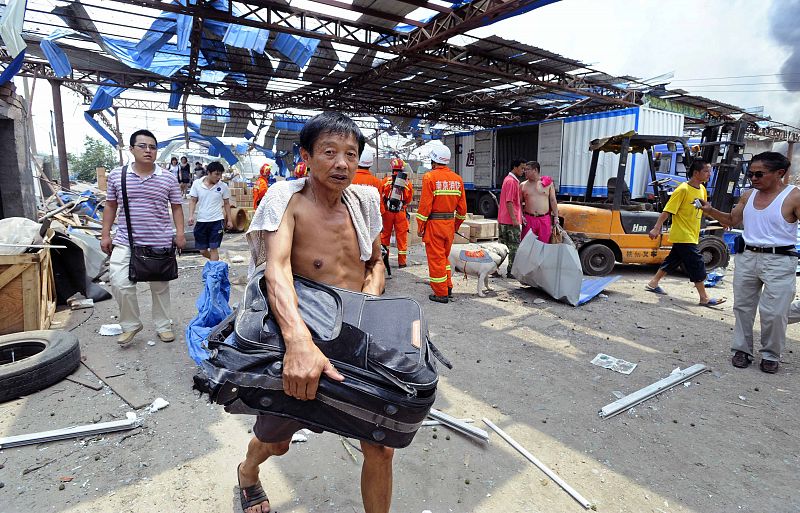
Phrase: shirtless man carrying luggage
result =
(316, 239)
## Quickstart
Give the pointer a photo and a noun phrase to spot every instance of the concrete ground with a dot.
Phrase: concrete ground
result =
(729, 441)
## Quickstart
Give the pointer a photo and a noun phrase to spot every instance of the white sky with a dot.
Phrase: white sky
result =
(699, 41)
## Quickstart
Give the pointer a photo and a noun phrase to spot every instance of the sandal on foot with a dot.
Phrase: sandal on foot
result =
(656, 290)
(714, 302)
(250, 495)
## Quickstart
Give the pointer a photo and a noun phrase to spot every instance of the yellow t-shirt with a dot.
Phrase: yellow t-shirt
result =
(685, 217)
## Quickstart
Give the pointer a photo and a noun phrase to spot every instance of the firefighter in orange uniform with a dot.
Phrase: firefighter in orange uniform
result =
(394, 213)
(363, 176)
(442, 209)
(262, 184)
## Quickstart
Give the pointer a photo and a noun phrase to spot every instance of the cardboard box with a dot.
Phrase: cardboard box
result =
(482, 229)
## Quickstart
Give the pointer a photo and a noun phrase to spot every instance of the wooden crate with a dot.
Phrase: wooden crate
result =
(27, 292)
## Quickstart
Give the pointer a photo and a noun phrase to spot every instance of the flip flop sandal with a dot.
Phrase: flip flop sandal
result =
(655, 290)
(714, 302)
(250, 495)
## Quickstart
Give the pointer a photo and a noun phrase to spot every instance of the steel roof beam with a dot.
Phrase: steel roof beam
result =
(461, 20)
(289, 20)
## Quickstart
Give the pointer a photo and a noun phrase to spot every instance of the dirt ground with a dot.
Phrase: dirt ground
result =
(729, 441)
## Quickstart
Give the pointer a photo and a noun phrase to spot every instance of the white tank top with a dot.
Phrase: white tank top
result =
(767, 228)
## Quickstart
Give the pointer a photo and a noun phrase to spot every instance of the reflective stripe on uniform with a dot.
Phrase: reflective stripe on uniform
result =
(402, 252)
(447, 268)
(422, 217)
(446, 192)
(437, 280)
(460, 217)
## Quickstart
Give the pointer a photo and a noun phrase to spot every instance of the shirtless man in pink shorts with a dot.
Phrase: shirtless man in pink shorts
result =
(539, 206)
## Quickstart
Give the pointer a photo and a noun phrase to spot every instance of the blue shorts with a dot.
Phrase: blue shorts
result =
(208, 235)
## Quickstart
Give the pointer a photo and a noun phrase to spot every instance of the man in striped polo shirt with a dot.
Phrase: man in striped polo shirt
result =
(152, 192)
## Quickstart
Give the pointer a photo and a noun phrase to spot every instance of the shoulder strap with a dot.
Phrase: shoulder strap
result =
(125, 204)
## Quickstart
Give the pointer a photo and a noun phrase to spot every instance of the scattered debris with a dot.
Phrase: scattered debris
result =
(72, 432)
(742, 398)
(539, 301)
(150, 343)
(454, 423)
(676, 377)
(618, 394)
(346, 448)
(36, 466)
(93, 384)
(740, 404)
(78, 301)
(439, 423)
(530, 457)
(237, 259)
(614, 364)
(109, 330)
(159, 404)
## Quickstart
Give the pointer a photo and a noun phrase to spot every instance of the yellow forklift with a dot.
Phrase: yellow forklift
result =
(616, 228)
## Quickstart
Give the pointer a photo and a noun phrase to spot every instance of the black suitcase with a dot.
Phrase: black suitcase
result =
(380, 345)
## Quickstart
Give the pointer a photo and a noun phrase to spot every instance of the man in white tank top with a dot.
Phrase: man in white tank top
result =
(764, 276)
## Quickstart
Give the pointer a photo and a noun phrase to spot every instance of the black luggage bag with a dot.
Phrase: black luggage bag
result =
(380, 345)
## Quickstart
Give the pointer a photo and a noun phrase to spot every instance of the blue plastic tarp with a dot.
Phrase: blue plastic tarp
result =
(590, 287)
(13, 68)
(55, 56)
(212, 308)
(105, 134)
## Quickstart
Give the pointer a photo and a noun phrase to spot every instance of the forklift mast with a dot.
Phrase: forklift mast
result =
(722, 145)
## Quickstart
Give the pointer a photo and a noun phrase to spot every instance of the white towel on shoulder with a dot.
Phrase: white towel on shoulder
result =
(362, 202)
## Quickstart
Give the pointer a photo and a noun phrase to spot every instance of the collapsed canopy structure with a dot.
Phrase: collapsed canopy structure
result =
(402, 62)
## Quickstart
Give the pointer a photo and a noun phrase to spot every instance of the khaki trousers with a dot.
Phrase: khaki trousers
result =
(767, 282)
(124, 292)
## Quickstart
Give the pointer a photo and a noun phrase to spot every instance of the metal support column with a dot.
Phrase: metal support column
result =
(120, 142)
(60, 141)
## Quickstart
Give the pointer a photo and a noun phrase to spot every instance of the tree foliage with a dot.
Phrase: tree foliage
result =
(95, 154)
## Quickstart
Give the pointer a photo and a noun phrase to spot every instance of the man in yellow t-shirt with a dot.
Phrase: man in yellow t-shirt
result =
(685, 233)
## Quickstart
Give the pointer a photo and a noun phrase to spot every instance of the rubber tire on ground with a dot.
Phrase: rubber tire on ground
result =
(487, 206)
(597, 259)
(59, 357)
(714, 251)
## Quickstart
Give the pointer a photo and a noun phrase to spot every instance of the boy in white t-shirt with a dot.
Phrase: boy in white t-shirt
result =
(211, 198)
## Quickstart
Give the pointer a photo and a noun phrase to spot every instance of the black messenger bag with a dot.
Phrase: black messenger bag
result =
(147, 263)
(380, 345)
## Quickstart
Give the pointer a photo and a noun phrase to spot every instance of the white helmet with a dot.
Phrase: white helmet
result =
(441, 154)
(367, 158)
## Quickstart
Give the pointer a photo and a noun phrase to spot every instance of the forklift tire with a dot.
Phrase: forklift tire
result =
(714, 251)
(597, 259)
(33, 360)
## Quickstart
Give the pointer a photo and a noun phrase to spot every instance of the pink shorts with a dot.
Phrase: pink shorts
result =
(541, 226)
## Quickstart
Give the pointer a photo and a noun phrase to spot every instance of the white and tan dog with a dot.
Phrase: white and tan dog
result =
(482, 267)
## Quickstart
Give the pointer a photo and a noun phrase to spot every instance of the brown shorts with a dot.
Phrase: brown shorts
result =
(272, 428)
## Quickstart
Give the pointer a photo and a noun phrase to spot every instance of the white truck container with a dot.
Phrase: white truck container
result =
(561, 147)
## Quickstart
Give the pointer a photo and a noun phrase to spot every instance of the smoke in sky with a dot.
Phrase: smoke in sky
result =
(785, 28)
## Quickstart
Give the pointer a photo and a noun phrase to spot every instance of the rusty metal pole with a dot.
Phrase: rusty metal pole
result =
(119, 136)
(60, 141)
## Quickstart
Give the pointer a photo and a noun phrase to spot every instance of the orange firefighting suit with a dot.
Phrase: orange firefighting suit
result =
(260, 189)
(396, 221)
(364, 177)
(442, 194)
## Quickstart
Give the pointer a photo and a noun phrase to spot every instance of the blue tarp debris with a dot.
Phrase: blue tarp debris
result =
(212, 308)
(55, 56)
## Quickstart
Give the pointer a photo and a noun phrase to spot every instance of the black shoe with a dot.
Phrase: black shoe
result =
(742, 360)
(401, 266)
(438, 299)
(450, 292)
(769, 366)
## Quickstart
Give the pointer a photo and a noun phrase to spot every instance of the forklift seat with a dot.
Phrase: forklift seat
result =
(611, 185)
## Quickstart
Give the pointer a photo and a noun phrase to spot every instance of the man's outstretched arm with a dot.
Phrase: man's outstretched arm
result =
(303, 362)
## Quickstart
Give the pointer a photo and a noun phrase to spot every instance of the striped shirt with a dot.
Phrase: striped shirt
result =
(149, 203)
